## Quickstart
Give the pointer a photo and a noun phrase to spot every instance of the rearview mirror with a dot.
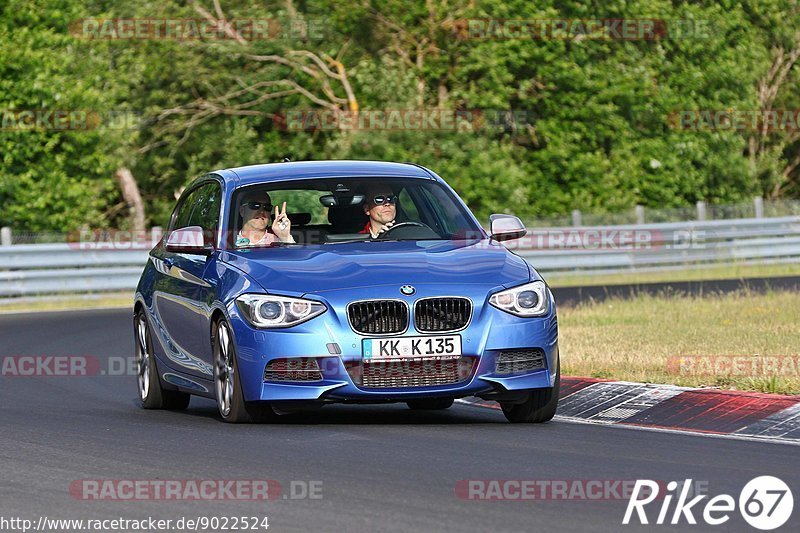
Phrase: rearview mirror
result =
(330, 200)
(188, 240)
(506, 227)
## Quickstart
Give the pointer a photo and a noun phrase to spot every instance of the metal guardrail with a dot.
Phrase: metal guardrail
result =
(34, 269)
(626, 248)
(30, 269)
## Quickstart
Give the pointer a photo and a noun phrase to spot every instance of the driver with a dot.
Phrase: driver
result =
(256, 209)
(381, 208)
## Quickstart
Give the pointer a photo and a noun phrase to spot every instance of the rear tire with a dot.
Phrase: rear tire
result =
(227, 383)
(152, 394)
(539, 406)
(430, 404)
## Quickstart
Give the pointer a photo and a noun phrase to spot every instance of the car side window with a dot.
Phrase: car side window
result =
(184, 212)
(200, 208)
(447, 213)
(206, 208)
(410, 208)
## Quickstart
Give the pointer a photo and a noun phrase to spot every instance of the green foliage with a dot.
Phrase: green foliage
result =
(49, 180)
(596, 135)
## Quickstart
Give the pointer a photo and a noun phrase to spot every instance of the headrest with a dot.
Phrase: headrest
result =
(347, 219)
(299, 219)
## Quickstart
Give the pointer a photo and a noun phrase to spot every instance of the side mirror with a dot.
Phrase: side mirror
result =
(506, 227)
(188, 240)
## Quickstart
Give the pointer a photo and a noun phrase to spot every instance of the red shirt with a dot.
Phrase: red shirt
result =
(366, 227)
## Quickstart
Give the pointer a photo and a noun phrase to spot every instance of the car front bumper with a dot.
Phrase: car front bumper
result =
(490, 332)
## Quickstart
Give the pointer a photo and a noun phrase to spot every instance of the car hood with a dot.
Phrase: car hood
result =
(318, 268)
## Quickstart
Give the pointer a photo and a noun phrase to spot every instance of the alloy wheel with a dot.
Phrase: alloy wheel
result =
(224, 370)
(143, 358)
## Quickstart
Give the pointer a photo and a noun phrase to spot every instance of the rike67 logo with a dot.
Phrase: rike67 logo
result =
(765, 503)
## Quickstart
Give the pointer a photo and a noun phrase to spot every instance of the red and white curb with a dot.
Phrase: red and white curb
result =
(747, 415)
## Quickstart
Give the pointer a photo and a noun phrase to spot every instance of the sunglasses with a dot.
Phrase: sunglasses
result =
(382, 199)
(255, 206)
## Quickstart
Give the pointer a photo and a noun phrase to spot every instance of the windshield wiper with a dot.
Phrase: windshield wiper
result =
(347, 241)
(274, 244)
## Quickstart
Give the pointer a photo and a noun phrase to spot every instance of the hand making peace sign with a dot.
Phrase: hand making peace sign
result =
(281, 225)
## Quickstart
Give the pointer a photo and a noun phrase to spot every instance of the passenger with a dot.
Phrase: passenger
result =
(256, 210)
(380, 206)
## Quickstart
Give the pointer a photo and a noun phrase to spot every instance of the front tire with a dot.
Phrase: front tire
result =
(227, 382)
(152, 395)
(539, 406)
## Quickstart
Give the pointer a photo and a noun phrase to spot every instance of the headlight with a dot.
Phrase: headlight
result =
(527, 300)
(267, 311)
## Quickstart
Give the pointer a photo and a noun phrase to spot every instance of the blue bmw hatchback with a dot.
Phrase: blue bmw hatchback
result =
(286, 286)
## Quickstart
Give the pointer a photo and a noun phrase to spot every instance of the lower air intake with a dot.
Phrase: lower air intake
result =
(410, 373)
(302, 369)
(520, 361)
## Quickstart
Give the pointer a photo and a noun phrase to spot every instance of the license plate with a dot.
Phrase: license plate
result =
(412, 347)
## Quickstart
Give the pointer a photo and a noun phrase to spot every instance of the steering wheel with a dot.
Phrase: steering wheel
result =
(410, 224)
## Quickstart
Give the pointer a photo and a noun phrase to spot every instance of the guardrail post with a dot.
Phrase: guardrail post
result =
(639, 214)
(701, 210)
(758, 202)
(5, 236)
(577, 219)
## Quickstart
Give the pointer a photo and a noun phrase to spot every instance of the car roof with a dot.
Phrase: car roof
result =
(324, 169)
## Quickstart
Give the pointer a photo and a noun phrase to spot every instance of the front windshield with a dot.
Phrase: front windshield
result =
(332, 211)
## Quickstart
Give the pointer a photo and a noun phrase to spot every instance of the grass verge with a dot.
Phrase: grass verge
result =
(67, 303)
(687, 274)
(644, 338)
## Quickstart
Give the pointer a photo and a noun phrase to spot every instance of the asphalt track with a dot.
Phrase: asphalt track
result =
(382, 468)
